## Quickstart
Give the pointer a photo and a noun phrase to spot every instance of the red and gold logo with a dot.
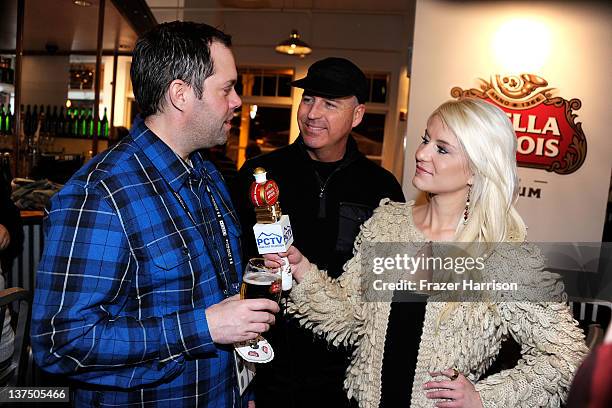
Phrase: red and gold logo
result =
(275, 287)
(547, 134)
(264, 194)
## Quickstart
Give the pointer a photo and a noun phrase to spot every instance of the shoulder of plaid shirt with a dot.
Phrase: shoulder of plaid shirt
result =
(125, 277)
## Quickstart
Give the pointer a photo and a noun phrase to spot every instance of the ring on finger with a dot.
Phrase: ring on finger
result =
(455, 374)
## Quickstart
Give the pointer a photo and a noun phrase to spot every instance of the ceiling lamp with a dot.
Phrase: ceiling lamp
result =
(293, 45)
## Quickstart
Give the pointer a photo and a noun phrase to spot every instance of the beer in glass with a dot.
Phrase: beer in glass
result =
(260, 281)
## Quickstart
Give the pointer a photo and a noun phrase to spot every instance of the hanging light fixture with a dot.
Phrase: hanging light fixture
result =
(293, 45)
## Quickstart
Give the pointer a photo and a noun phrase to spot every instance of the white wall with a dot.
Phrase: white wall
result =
(453, 47)
(121, 93)
(45, 80)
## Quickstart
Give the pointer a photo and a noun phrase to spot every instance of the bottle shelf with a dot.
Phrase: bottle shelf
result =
(63, 137)
(76, 123)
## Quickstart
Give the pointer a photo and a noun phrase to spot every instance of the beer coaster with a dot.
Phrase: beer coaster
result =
(262, 354)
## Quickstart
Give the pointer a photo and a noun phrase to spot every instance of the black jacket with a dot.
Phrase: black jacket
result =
(325, 215)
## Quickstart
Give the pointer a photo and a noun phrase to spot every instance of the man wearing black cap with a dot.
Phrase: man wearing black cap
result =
(328, 188)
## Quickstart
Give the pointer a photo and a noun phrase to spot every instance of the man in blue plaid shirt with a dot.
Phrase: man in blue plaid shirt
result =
(136, 290)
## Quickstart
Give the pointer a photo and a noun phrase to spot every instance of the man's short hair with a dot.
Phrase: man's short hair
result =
(169, 51)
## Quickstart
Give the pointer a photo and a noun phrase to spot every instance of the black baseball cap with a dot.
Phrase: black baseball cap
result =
(334, 78)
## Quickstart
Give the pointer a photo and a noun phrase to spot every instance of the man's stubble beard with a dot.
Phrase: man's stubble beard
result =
(208, 135)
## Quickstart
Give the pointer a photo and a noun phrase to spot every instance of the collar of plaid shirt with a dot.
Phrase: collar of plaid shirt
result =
(171, 167)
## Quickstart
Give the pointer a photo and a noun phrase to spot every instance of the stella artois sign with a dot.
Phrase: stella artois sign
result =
(548, 137)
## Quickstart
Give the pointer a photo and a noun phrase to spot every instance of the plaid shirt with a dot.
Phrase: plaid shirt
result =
(126, 275)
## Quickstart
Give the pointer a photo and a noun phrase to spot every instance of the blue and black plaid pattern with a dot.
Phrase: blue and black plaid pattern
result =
(126, 276)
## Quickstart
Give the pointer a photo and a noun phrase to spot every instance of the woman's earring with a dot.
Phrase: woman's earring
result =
(466, 213)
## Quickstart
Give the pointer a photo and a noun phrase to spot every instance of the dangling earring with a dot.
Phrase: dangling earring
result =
(466, 213)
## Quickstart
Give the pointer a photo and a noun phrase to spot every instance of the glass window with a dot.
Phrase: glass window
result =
(269, 85)
(379, 90)
(270, 127)
(268, 130)
(370, 134)
(377, 84)
(256, 90)
(259, 127)
(239, 86)
(264, 82)
(284, 85)
(233, 139)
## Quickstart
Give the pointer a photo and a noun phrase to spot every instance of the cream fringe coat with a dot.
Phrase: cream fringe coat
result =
(469, 338)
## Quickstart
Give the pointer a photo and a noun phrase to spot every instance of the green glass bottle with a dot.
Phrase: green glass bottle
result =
(90, 123)
(82, 123)
(76, 124)
(60, 123)
(27, 122)
(9, 121)
(104, 126)
(2, 120)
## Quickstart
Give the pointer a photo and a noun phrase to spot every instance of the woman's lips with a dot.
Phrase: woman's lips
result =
(421, 170)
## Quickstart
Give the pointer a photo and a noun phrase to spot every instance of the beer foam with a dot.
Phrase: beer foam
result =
(265, 278)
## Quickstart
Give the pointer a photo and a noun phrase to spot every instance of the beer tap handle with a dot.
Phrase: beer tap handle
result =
(287, 277)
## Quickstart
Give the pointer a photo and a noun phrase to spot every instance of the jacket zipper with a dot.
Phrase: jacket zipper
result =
(322, 199)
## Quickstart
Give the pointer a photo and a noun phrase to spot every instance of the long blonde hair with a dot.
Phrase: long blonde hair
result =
(486, 136)
(488, 139)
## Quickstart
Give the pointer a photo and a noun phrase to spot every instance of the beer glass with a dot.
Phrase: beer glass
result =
(260, 281)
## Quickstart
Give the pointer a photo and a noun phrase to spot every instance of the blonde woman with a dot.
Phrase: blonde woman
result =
(467, 166)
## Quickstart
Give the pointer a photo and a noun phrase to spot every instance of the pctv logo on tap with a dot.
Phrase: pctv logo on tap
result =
(267, 240)
(274, 237)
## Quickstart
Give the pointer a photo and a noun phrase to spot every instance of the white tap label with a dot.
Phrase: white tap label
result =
(273, 238)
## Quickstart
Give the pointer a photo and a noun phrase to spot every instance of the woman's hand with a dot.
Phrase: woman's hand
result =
(299, 263)
(455, 393)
